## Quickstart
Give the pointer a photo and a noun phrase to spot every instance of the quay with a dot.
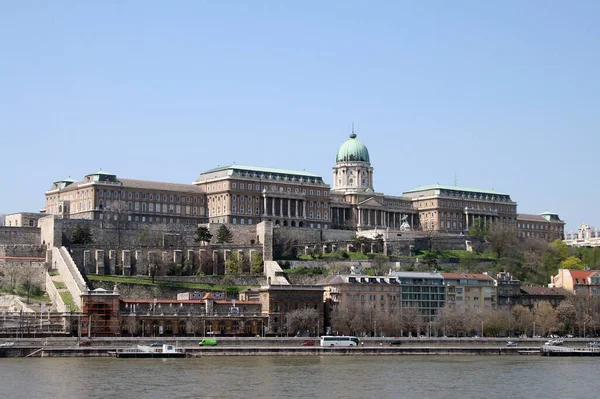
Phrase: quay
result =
(270, 346)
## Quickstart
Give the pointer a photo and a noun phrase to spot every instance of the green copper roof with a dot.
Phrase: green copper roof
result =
(101, 172)
(260, 169)
(455, 188)
(352, 150)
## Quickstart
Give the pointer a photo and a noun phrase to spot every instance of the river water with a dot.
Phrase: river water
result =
(302, 377)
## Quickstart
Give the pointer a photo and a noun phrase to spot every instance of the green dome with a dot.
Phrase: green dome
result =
(352, 150)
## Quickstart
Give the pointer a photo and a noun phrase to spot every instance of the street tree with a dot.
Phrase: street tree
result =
(546, 319)
(302, 320)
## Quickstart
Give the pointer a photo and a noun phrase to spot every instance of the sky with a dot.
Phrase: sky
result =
(491, 95)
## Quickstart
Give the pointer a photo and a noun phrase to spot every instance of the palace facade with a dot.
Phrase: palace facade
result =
(242, 194)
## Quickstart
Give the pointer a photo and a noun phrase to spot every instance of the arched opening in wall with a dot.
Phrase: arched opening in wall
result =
(293, 223)
(300, 224)
(285, 223)
(182, 330)
(277, 222)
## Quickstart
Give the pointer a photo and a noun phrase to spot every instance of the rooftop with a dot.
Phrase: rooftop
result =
(260, 169)
(455, 188)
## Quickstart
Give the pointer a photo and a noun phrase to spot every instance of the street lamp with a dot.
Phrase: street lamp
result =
(584, 329)
(481, 328)
(533, 335)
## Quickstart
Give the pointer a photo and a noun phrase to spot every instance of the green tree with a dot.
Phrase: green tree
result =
(203, 234)
(478, 228)
(82, 235)
(563, 250)
(257, 264)
(573, 263)
(234, 263)
(224, 235)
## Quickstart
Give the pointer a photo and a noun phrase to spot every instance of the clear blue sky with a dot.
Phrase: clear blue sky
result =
(502, 95)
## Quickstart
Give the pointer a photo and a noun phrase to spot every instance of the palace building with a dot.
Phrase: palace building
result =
(242, 194)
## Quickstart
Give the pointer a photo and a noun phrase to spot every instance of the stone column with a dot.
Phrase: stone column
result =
(368, 217)
(304, 209)
(296, 215)
(100, 262)
(112, 260)
(265, 207)
(281, 207)
(126, 260)
(87, 261)
(289, 203)
(138, 262)
(178, 256)
(273, 206)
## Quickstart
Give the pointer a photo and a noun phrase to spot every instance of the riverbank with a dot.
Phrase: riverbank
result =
(269, 346)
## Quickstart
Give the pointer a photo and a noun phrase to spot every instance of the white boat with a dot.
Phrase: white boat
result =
(557, 349)
(147, 351)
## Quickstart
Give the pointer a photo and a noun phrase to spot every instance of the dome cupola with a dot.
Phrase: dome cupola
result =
(352, 150)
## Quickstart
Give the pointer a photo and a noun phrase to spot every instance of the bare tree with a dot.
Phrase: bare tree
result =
(302, 320)
(155, 264)
(546, 319)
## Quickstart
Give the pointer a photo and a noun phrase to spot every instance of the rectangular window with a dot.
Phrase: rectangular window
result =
(241, 186)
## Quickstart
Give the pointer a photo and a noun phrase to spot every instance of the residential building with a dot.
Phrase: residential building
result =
(533, 296)
(577, 281)
(470, 291)
(279, 300)
(508, 289)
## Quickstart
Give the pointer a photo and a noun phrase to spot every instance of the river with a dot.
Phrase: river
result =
(301, 377)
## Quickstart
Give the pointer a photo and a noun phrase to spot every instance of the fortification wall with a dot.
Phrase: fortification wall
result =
(20, 235)
(28, 250)
(311, 236)
(23, 271)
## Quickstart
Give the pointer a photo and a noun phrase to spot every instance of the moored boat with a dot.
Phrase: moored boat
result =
(144, 351)
(557, 349)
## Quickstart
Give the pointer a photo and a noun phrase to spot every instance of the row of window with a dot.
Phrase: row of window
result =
(151, 196)
(534, 226)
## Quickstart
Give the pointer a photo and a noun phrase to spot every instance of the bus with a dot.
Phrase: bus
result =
(339, 340)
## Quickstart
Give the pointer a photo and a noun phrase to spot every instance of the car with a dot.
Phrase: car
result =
(396, 343)
(308, 343)
(157, 343)
(85, 342)
(7, 344)
(511, 344)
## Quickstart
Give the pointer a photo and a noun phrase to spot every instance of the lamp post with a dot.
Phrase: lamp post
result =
(584, 329)
(481, 328)
(375, 329)
(533, 335)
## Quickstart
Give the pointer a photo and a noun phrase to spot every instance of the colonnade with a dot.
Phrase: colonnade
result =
(284, 207)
